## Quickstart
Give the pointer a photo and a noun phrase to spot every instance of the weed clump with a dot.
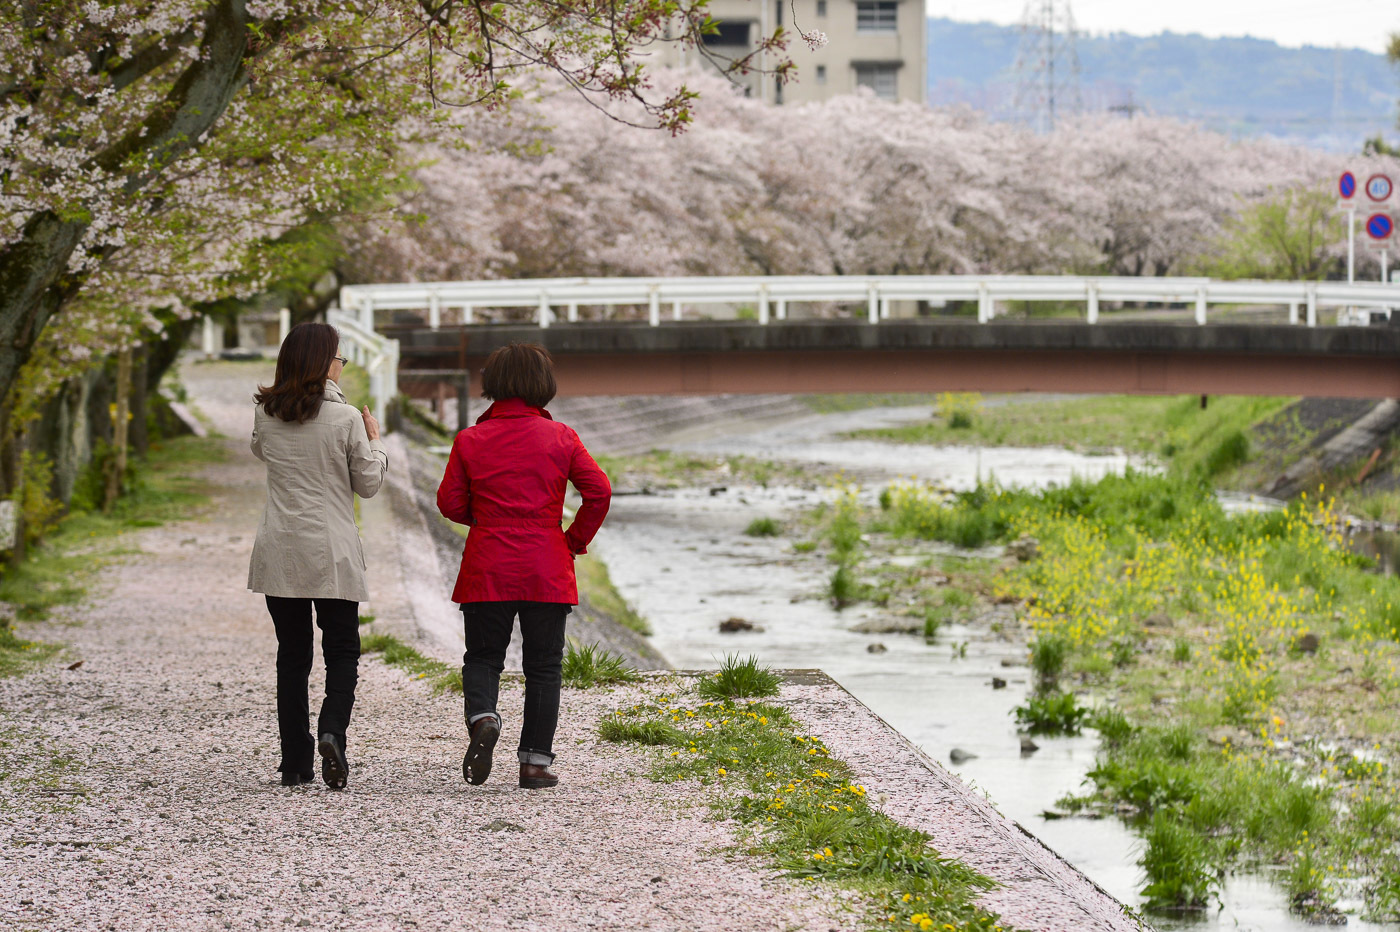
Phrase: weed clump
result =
(1052, 713)
(590, 665)
(740, 679)
(763, 527)
(651, 732)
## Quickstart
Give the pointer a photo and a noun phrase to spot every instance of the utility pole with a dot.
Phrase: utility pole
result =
(1047, 63)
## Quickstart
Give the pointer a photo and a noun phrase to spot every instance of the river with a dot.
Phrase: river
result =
(682, 560)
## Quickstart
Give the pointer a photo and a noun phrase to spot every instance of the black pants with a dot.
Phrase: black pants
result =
(488, 628)
(339, 621)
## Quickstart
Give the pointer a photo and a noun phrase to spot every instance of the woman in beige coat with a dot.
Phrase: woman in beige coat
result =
(320, 453)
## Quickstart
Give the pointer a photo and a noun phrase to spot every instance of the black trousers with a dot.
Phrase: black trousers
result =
(339, 621)
(488, 628)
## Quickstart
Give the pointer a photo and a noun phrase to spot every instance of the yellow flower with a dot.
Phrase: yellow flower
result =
(722, 771)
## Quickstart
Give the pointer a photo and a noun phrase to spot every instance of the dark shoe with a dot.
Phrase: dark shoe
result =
(537, 777)
(334, 769)
(292, 778)
(476, 765)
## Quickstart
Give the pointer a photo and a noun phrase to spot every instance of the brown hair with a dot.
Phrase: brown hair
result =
(303, 365)
(519, 370)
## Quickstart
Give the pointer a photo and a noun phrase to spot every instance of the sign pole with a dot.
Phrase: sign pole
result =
(1351, 245)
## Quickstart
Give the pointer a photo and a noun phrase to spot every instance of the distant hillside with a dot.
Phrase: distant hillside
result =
(1244, 87)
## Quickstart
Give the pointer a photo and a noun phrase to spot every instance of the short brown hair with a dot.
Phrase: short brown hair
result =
(303, 365)
(519, 370)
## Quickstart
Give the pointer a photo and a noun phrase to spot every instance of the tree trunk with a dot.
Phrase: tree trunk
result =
(120, 429)
(32, 287)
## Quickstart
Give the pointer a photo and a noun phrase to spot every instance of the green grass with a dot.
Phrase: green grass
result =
(802, 811)
(1173, 427)
(665, 469)
(740, 678)
(1048, 656)
(763, 527)
(164, 487)
(442, 677)
(1232, 747)
(590, 665)
(834, 403)
(18, 656)
(597, 587)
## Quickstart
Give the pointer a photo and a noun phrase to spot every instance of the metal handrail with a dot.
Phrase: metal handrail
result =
(378, 354)
(771, 294)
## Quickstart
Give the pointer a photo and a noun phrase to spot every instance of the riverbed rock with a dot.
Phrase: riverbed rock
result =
(1024, 548)
(732, 625)
(890, 626)
(998, 683)
(1307, 643)
(1028, 746)
(958, 755)
(876, 648)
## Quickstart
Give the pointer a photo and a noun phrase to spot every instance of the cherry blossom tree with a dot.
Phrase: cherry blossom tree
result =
(851, 185)
(155, 152)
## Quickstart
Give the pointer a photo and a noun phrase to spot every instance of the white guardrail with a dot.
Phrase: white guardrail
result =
(378, 354)
(772, 294)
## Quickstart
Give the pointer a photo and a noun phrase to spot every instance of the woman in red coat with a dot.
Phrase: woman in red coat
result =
(506, 478)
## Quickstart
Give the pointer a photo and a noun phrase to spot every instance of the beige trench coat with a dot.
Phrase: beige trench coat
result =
(308, 546)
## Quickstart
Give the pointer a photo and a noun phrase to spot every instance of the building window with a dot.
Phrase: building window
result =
(881, 78)
(821, 74)
(821, 7)
(730, 34)
(877, 16)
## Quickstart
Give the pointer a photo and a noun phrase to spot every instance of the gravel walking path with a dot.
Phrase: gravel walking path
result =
(138, 792)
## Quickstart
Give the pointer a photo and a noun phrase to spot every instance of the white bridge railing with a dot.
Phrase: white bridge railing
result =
(378, 354)
(771, 295)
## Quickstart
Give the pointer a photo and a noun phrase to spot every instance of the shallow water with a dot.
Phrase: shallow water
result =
(682, 560)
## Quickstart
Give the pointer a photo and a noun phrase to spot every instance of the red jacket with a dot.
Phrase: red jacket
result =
(506, 478)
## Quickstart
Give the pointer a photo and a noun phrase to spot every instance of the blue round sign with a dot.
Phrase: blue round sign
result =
(1346, 186)
(1379, 226)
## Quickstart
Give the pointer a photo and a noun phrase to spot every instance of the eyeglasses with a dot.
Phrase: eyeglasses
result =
(342, 360)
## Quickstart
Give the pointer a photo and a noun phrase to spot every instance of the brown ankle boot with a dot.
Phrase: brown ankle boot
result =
(476, 764)
(537, 777)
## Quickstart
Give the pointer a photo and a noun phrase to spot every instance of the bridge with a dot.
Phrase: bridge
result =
(623, 336)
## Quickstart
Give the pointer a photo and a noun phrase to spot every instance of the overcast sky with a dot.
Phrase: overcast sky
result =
(1352, 23)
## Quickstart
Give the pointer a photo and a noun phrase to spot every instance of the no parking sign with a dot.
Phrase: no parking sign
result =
(1346, 191)
(1380, 230)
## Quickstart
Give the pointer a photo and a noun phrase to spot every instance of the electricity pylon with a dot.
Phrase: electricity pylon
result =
(1047, 64)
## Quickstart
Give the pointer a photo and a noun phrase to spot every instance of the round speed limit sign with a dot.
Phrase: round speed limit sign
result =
(1379, 187)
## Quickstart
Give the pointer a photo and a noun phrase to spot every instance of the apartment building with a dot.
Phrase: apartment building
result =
(879, 44)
